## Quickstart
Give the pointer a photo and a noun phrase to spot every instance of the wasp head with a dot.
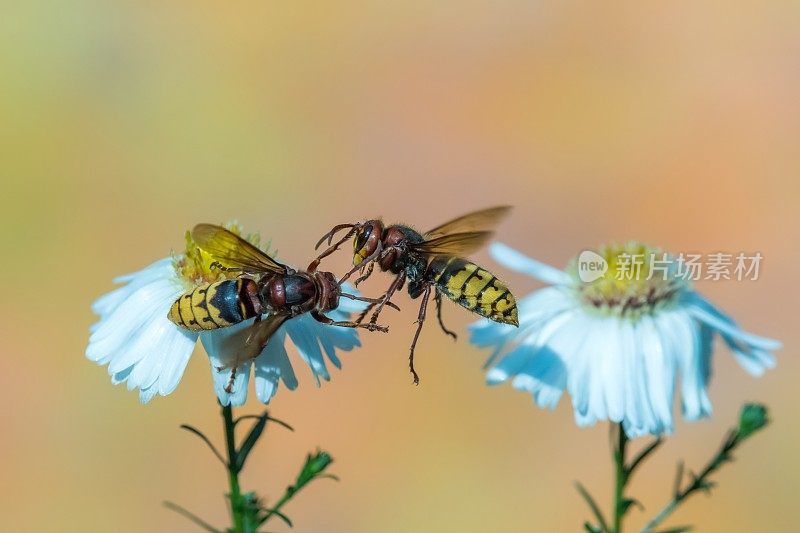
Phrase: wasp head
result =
(366, 240)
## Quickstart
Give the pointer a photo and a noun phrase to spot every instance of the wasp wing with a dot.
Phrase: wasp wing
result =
(482, 220)
(232, 250)
(248, 343)
(458, 244)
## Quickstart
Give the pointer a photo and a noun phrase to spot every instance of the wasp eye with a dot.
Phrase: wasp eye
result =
(361, 238)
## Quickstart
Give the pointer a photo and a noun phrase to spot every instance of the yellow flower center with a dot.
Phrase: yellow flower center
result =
(194, 265)
(628, 280)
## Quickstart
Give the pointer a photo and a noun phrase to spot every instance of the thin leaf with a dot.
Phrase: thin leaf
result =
(591, 528)
(194, 518)
(280, 515)
(681, 529)
(205, 439)
(250, 441)
(626, 504)
(598, 514)
(643, 455)
(676, 487)
(271, 419)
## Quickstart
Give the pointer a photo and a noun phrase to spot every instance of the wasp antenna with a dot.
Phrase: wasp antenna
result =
(336, 229)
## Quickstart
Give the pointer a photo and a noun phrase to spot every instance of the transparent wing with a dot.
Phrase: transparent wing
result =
(249, 342)
(482, 220)
(232, 250)
(457, 244)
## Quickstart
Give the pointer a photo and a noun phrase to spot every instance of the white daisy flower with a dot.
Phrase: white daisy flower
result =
(144, 349)
(617, 345)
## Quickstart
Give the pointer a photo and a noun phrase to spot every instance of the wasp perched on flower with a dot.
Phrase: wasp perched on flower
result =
(266, 287)
(146, 337)
(431, 263)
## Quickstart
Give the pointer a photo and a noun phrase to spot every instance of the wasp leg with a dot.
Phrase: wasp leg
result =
(364, 313)
(371, 301)
(438, 299)
(423, 308)
(397, 283)
(332, 248)
(319, 317)
(217, 265)
(364, 277)
(231, 381)
(248, 340)
(369, 260)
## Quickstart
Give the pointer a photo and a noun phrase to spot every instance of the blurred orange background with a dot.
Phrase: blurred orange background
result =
(125, 123)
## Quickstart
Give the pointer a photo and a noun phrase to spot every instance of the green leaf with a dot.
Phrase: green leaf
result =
(682, 529)
(199, 522)
(626, 504)
(280, 515)
(195, 431)
(650, 448)
(593, 506)
(591, 528)
(271, 419)
(753, 417)
(250, 440)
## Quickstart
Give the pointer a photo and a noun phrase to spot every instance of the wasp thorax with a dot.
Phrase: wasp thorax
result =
(630, 279)
(329, 291)
(366, 240)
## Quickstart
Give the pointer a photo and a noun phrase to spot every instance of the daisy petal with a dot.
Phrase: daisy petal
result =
(510, 258)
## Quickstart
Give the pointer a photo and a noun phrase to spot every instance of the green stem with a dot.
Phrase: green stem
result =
(237, 511)
(621, 476)
(699, 481)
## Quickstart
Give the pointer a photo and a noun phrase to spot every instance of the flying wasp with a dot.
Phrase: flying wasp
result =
(430, 262)
(263, 287)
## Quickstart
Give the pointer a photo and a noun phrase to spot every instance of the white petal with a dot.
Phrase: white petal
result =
(536, 310)
(682, 337)
(649, 421)
(348, 306)
(224, 347)
(613, 361)
(222, 379)
(659, 372)
(707, 313)
(135, 337)
(510, 258)
(510, 365)
(304, 336)
(145, 395)
(579, 364)
(273, 365)
(180, 351)
(544, 375)
(596, 389)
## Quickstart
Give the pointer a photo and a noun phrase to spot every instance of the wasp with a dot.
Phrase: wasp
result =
(263, 287)
(431, 262)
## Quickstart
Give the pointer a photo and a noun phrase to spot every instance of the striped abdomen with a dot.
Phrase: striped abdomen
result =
(474, 288)
(217, 305)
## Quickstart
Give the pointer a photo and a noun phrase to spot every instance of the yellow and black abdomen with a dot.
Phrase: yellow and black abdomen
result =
(474, 288)
(216, 305)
